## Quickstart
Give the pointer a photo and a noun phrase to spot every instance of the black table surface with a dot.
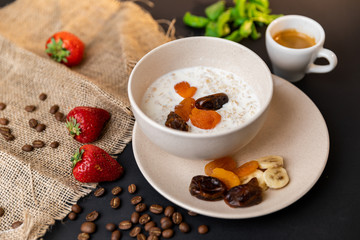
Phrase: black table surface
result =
(331, 209)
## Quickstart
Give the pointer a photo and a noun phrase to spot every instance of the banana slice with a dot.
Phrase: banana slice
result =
(276, 177)
(260, 177)
(271, 161)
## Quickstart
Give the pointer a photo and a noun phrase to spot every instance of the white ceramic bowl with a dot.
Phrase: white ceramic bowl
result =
(209, 52)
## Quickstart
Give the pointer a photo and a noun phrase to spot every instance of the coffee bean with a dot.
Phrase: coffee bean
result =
(115, 202)
(76, 208)
(2, 106)
(83, 236)
(42, 96)
(99, 192)
(5, 130)
(116, 190)
(152, 237)
(132, 188)
(177, 218)
(40, 127)
(135, 200)
(27, 148)
(92, 216)
(38, 144)
(169, 210)
(135, 231)
(88, 227)
(191, 213)
(156, 209)
(2, 212)
(149, 225)
(140, 207)
(33, 123)
(16, 224)
(8, 136)
(202, 229)
(116, 235)
(125, 225)
(135, 217)
(4, 121)
(145, 218)
(166, 223)
(54, 109)
(59, 116)
(54, 144)
(184, 227)
(30, 108)
(72, 216)
(155, 231)
(110, 227)
(168, 233)
(141, 236)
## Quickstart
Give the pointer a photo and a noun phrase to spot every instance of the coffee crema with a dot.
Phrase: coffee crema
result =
(291, 38)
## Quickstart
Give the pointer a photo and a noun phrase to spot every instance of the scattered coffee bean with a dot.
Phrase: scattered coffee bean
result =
(191, 213)
(149, 225)
(72, 216)
(135, 217)
(155, 231)
(135, 200)
(202, 229)
(116, 235)
(42, 96)
(166, 223)
(2, 106)
(27, 148)
(132, 188)
(4, 121)
(116, 190)
(16, 224)
(38, 144)
(125, 225)
(40, 127)
(152, 237)
(141, 236)
(169, 210)
(115, 202)
(145, 218)
(59, 116)
(5, 130)
(54, 144)
(99, 192)
(76, 208)
(83, 236)
(92, 216)
(30, 108)
(8, 136)
(33, 123)
(54, 109)
(135, 231)
(168, 233)
(177, 218)
(156, 208)
(184, 227)
(88, 227)
(110, 227)
(140, 207)
(2, 212)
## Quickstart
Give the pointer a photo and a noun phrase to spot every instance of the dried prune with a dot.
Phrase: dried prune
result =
(212, 102)
(244, 195)
(176, 122)
(207, 188)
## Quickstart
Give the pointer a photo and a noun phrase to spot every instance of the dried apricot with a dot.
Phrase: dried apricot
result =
(227, 163)
(183, 109)
(204, 119)
(229, 178)
(184, 89)
(246, 169)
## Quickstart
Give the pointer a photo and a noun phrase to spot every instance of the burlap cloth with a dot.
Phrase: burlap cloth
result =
(38, 187)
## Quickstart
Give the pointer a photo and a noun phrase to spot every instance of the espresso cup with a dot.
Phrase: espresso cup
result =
(293, 63)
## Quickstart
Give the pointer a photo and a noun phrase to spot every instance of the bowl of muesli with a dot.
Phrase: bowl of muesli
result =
(200, 97)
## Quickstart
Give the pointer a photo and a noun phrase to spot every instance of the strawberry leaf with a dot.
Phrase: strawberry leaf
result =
(57, 51)
(77, 157)
(73, 127)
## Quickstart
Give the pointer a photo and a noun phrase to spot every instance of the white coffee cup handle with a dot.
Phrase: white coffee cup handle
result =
(330, 56)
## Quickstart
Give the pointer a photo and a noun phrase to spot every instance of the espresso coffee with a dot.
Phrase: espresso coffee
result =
(291, 38)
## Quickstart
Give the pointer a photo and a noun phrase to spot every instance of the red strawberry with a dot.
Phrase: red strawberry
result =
(86, 123)
(66, 48)
(92, 164)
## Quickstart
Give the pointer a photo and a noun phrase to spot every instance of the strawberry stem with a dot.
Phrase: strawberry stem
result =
(73, 127)
(77, 157)
(57, 51)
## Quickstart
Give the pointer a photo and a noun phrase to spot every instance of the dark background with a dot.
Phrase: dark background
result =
(330, 210)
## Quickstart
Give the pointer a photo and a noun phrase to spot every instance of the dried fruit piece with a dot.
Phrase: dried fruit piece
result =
(204, 119)
(229, 178)
(271, 161)
(184, 89)
(259, 175)
(212, 102)
(227, 163)
(276, 177)
(244, 195)
(207, 188)
(183, 109)
(246, 169)
(176, 122)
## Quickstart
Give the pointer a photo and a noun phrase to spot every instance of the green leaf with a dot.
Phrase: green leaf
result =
(262, 3)
(73, 127)
(211, 30)
(77, 157)
(245, 28)
(221, 24)
(195, 21)
(234, 36)
(240, 7)
(215, 10)
(254, 33)
(57, 51)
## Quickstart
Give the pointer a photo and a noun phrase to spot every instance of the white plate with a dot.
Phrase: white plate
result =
(294, 129)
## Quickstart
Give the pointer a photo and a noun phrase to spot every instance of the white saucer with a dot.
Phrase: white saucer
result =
(294, 129)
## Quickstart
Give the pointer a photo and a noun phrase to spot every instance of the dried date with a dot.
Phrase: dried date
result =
(212, 102)
(244, 195)
(176, 122)
(207, 188)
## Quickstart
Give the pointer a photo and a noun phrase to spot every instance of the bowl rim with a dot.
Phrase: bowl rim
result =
(201, 135)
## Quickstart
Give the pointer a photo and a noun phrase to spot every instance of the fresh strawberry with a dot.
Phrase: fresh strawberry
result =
(86, 123)
(66, 48)
(92, 164)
